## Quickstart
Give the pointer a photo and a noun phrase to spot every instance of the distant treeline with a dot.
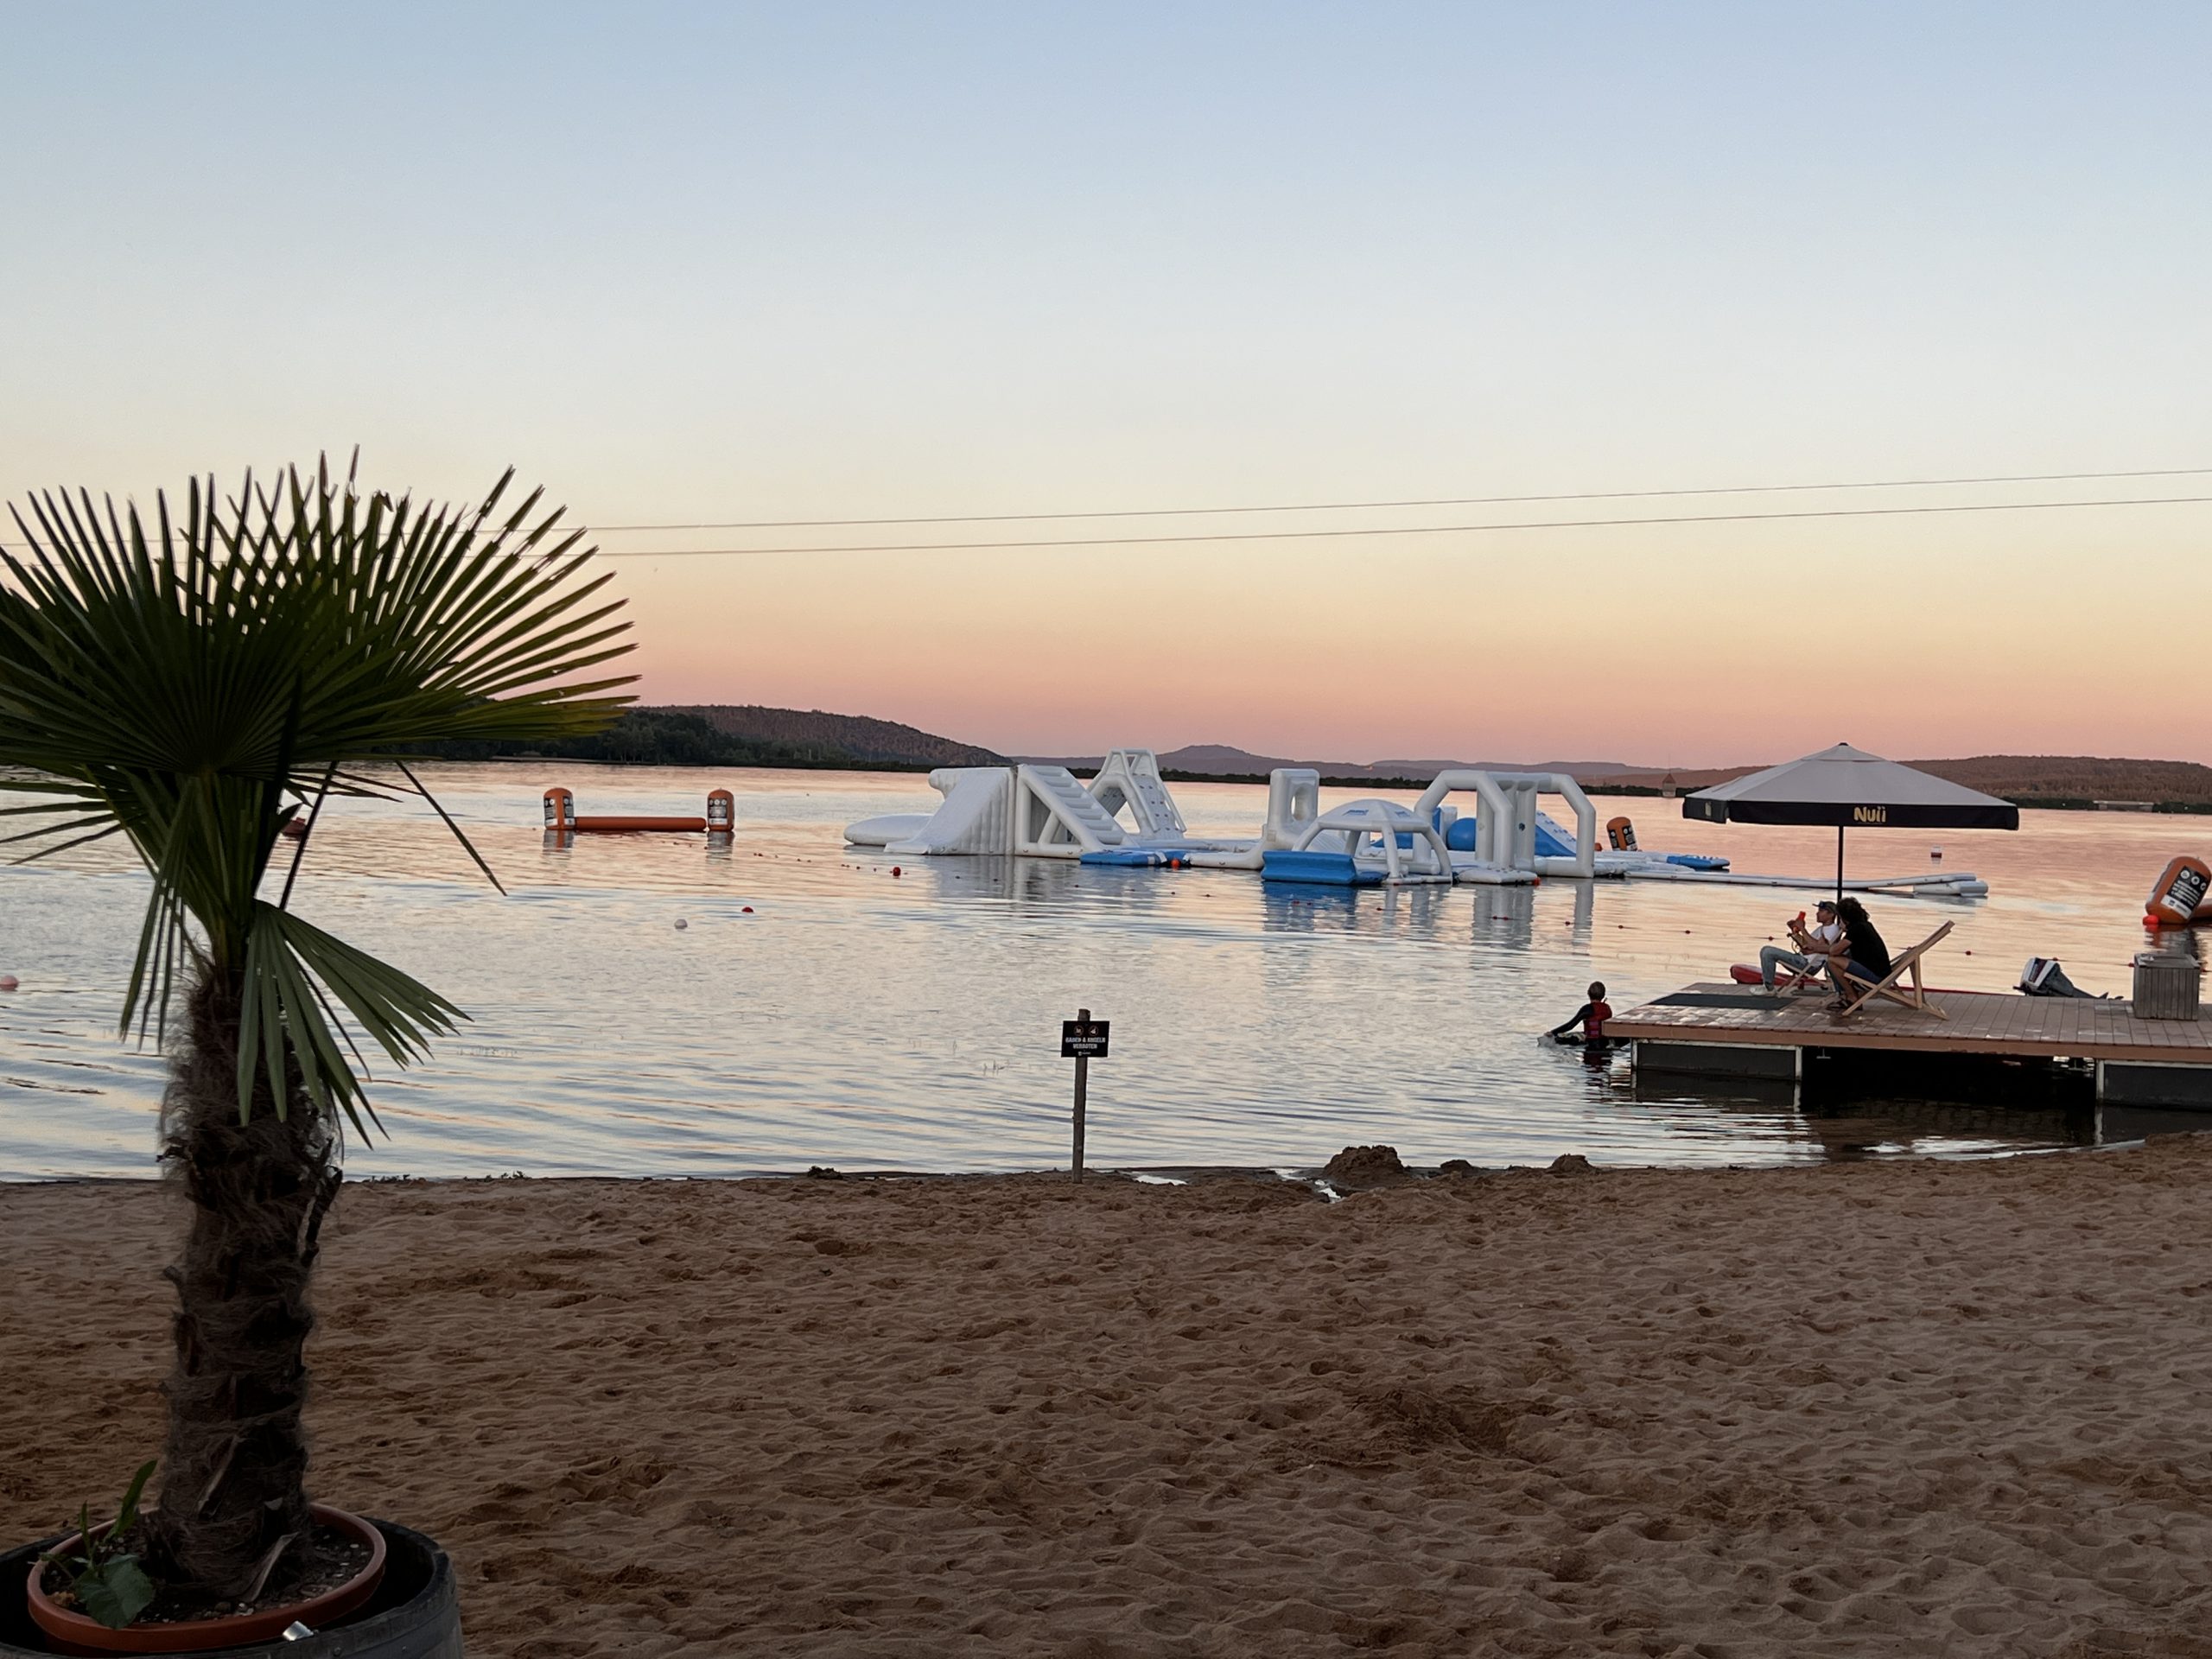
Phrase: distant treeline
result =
(2076, 803)
(654, 737)
(665, 737)
(1174, 776)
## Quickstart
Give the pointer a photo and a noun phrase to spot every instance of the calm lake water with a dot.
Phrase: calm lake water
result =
(870, 1022)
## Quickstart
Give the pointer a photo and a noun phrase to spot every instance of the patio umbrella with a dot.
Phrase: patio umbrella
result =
(1845, 786)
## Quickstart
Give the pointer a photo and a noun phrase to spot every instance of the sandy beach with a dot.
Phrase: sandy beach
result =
(1876, 1408)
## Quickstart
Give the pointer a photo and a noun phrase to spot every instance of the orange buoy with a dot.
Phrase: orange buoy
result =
(1620, 834)
(721, 812)
(2177, 897)
(560, 810)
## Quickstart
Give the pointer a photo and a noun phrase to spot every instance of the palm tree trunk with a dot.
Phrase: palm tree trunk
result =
(232, 1471)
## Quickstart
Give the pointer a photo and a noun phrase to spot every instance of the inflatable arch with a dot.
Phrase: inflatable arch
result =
(1364, 843)
(1506, 832)
(1294, 804)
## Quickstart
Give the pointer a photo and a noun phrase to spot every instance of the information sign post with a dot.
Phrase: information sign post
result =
(1082, 1039)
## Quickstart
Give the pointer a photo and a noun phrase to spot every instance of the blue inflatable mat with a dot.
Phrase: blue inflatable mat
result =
(1321, 870)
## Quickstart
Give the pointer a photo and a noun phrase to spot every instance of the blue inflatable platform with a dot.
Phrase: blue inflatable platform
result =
(1319, 869)
(1141, 858)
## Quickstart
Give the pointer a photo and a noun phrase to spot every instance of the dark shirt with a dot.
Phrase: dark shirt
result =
(1592, 1017)
(1866, 948)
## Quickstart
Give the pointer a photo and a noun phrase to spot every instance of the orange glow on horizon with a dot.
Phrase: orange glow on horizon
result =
(1688, 651)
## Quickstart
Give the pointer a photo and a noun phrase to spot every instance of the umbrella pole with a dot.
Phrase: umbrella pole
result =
(1839, 863)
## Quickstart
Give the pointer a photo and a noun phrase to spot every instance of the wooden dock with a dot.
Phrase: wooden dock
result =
(1730, 1030)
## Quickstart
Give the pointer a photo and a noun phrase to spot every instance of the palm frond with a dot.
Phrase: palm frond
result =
(289, 964)
(192, 680)
(459, 834)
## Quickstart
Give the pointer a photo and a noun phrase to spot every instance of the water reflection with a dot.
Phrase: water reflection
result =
(1506, 916)
(1845, 1126)
(2120, 1123)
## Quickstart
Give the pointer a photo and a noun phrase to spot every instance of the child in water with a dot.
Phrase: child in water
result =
(1590, 1016)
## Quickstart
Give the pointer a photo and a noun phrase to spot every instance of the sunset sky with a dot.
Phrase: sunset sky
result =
(703, 264)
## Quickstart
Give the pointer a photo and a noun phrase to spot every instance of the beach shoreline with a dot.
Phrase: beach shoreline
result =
(1836, 1408)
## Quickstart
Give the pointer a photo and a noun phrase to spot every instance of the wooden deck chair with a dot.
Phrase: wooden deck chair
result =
(1906, 962)
(1795, 982)
(1792, 983)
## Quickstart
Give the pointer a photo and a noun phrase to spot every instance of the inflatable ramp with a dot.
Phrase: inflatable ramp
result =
(1054, 817)
(1130, 781)
(1044, 811)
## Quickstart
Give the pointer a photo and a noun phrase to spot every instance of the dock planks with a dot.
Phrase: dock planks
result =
(1980, 1022)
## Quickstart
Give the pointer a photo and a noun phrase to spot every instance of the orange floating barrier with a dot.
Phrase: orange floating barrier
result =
(561, 817)
(2177, 897)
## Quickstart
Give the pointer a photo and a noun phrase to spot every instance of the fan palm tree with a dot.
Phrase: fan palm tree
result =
(196, 687)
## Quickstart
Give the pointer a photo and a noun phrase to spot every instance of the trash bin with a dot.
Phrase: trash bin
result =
(2165, 986)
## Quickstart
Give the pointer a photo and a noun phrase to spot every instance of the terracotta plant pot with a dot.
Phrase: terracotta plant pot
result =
(72, 1632)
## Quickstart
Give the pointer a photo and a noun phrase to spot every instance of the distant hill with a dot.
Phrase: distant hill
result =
(748, 734)
(724, 736)
(2078, 778)
(1221, 760)
(1681, 778)
(2056, 780)
(2071, 779)
(858, 736)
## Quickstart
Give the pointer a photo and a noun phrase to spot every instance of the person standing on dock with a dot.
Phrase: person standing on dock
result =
(1864, 955)
(1815, 950)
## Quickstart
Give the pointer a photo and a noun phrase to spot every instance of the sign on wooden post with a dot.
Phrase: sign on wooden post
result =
(1082, 1039)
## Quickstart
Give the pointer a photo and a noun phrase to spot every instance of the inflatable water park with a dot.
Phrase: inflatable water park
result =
(1126, 815)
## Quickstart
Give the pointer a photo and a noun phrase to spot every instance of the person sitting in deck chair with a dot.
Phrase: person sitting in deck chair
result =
(1863, 956)
(1815, 949)
(1590, 1016)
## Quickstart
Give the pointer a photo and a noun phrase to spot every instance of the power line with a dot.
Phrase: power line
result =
(1339, 533)
(1403, 530)
(1440, 501)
